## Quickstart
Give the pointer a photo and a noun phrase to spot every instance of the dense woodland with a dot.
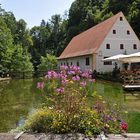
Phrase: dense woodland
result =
(23, 49)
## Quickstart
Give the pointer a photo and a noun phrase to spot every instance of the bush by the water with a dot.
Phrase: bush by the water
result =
(67, 109)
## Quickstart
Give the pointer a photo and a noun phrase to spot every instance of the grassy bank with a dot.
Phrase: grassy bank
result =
(134, 122)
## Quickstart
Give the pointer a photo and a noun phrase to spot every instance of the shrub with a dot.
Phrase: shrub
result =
(40, 121)
(67, 109)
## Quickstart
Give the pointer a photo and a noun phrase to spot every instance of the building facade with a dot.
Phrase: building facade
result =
(111, 37)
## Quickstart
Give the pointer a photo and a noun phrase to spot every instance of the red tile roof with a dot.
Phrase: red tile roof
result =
(90, 40)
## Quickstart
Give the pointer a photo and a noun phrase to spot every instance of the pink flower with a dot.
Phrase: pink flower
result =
(40, 85)
(92, 80)
(60, 90)
(83, 84)
(86, 74)
(76, 78)
(76, 69)
(62, 76)
(64, 81)
(52, 74)
(63, 67)
(71, 72)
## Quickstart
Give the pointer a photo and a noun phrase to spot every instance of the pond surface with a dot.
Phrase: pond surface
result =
(18, 98)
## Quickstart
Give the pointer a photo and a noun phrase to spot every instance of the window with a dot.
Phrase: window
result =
(61, 63)
(121, 18)
(71, 63)
(87, 61)
(77, 63)
(64, 63)
(134, 46)
(67, 63)
(128, 32)
(121, 46)
(114, 31)
(107, 46)
(107, 62)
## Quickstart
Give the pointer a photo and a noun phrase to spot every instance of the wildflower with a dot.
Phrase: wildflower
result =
(52, 74)
(92, 80)
(71, 72)
(124, 126)
(63, 67)
(76, 78)
(40, 85)
(62, 76)
(71, 82)
(106, 125)
(60, 90)
(126, 112)
(109, 117)
(83, 84)
(64, 81)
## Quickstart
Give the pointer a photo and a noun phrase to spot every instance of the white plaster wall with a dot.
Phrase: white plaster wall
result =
(74, 60)
(115, 40)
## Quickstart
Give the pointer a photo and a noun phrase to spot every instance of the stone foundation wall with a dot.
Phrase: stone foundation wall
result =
(42, 136)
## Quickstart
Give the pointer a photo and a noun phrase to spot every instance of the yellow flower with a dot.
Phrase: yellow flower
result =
(100, 97)
(106, 125)
(126, 112)
(71, 82)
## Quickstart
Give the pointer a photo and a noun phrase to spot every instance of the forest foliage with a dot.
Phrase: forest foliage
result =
(52, 36)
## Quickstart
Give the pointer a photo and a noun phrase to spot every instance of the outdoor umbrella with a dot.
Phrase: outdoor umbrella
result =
(114, 58)
(131, 58)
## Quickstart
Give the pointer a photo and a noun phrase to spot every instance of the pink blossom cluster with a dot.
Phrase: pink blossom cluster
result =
(83, 84)
(86, 74)
(67, 74)
(74, 68)
(60, 90)
(40, 85)
(51, 74)
(76, 78)
(64, 67)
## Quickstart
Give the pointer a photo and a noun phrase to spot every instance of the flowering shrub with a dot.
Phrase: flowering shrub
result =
(68, 110)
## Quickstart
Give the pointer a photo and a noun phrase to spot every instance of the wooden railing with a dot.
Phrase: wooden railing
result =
(131, 77)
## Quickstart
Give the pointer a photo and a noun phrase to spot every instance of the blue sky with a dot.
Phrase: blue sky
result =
(33, 11)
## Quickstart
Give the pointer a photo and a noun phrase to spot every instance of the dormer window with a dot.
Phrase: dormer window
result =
(134, 46)
(128, 32)
(107, 46)
(121, 18)
(121, 46)
(114, 31)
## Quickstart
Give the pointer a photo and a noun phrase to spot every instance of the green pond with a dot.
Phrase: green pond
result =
(18, 98)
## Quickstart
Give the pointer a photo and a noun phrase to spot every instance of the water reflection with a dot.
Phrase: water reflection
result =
(19, 97)
(16, 101)
(115, 93)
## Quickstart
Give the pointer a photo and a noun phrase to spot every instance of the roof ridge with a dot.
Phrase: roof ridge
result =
(89, 40)
(99, 23)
